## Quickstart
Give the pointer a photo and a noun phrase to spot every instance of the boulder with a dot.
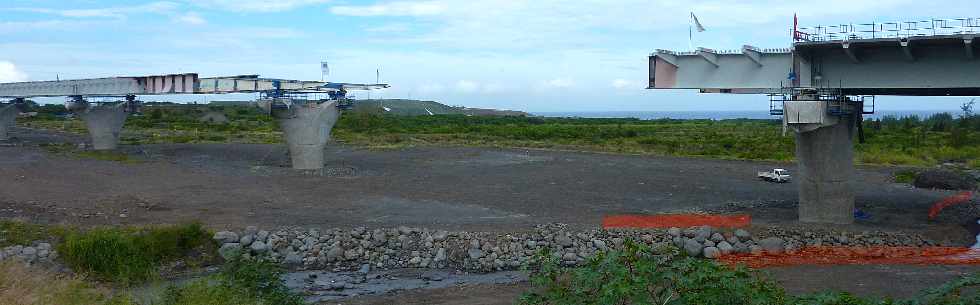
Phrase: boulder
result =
(773, 245)
(230, 251)
(944, 179)
(225, 237)
(725, 248)
(692, 247)
(711, 252)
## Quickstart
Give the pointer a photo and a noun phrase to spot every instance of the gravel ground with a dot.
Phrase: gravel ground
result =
(231, 186)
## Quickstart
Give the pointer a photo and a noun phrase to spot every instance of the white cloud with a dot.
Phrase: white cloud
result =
(620, 83)
(10, 73)
(561, 82)
(257, 6)
(191, 18)
(397, 8)
(119, 12)
(466, 86)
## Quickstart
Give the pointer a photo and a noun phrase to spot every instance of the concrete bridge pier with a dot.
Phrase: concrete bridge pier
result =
(104, 123)
(307, 127)
(825, 157)
(8, 113)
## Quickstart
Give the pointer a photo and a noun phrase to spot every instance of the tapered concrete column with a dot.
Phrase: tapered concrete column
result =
(826, 168)
(8, 114)
(104, 123)
(307, 129)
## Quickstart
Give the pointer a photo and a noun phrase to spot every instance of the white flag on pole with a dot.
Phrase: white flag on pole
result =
(697, 24)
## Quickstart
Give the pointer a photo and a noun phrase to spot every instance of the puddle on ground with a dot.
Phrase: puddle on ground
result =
(320, 285)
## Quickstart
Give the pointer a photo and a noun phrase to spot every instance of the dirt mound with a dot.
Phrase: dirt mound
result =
(944, 179)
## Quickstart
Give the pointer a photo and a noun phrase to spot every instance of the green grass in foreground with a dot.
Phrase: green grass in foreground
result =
(131, 255)
(640, 275)
(894, 141)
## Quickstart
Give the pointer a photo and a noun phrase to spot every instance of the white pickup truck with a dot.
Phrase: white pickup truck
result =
(775, 175)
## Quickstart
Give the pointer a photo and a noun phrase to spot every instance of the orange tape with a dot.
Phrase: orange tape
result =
(860, 256)
(676, 220)
(948, 201)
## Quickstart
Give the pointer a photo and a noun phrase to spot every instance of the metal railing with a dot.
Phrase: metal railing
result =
(899, 30)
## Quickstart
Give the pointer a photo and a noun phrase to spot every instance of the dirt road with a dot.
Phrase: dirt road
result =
(235, 185)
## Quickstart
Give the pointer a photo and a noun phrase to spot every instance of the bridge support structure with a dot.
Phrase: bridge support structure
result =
(825, 158)
(8, 113)
(306, 125)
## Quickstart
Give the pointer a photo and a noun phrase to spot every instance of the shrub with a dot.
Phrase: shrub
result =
(240, 282)
(129, 255)
(638, 275)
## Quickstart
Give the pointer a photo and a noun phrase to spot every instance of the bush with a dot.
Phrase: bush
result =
(129, 255)
(639, 275)
(240, 282)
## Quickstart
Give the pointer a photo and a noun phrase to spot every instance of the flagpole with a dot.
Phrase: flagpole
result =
(690, 32)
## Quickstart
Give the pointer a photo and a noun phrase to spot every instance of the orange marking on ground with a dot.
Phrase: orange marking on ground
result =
(676, 220)
(860, 256)
(948, 201)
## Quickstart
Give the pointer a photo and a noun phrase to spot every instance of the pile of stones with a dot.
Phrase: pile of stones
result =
(37, 252)
(405, 247)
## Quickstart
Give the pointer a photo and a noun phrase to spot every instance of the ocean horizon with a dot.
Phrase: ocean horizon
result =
(715, 115)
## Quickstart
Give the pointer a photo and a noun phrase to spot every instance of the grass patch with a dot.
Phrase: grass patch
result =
(640, 275)
(906, 176)
(23, 285)
(23, 233)
(240, 283)
(131, 255)
(72, 151)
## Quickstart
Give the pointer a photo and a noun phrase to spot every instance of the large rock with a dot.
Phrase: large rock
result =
(692, 247)
(711, 252)
(230, 251)
(944, 179)
(335, 254)
(564, 240)
(743, 235)
(773, 245)
(225, 237)
(259, 247)
(725, 248)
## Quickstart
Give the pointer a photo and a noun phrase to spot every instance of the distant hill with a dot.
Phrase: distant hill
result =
(417, 107)
(406, 107)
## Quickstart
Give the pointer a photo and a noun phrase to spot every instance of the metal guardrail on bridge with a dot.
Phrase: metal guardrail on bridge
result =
(898, 30)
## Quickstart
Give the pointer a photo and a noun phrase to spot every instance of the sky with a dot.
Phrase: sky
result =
(537, 55)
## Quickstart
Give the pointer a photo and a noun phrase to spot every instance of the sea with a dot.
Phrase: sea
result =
(718, 115)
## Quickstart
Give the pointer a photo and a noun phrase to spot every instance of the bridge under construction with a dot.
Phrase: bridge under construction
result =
(307, 110)
(825, 81)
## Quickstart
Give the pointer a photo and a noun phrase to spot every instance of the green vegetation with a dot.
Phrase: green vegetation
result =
(640, 275)
(131, 255)
(23, 233)
(906, 176)
(23, 285)
(909, 140)
(240, 283)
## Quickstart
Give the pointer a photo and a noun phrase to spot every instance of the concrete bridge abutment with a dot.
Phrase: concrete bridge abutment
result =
(8, 114)
(825, 157)
(104, 124)
(307, 127)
